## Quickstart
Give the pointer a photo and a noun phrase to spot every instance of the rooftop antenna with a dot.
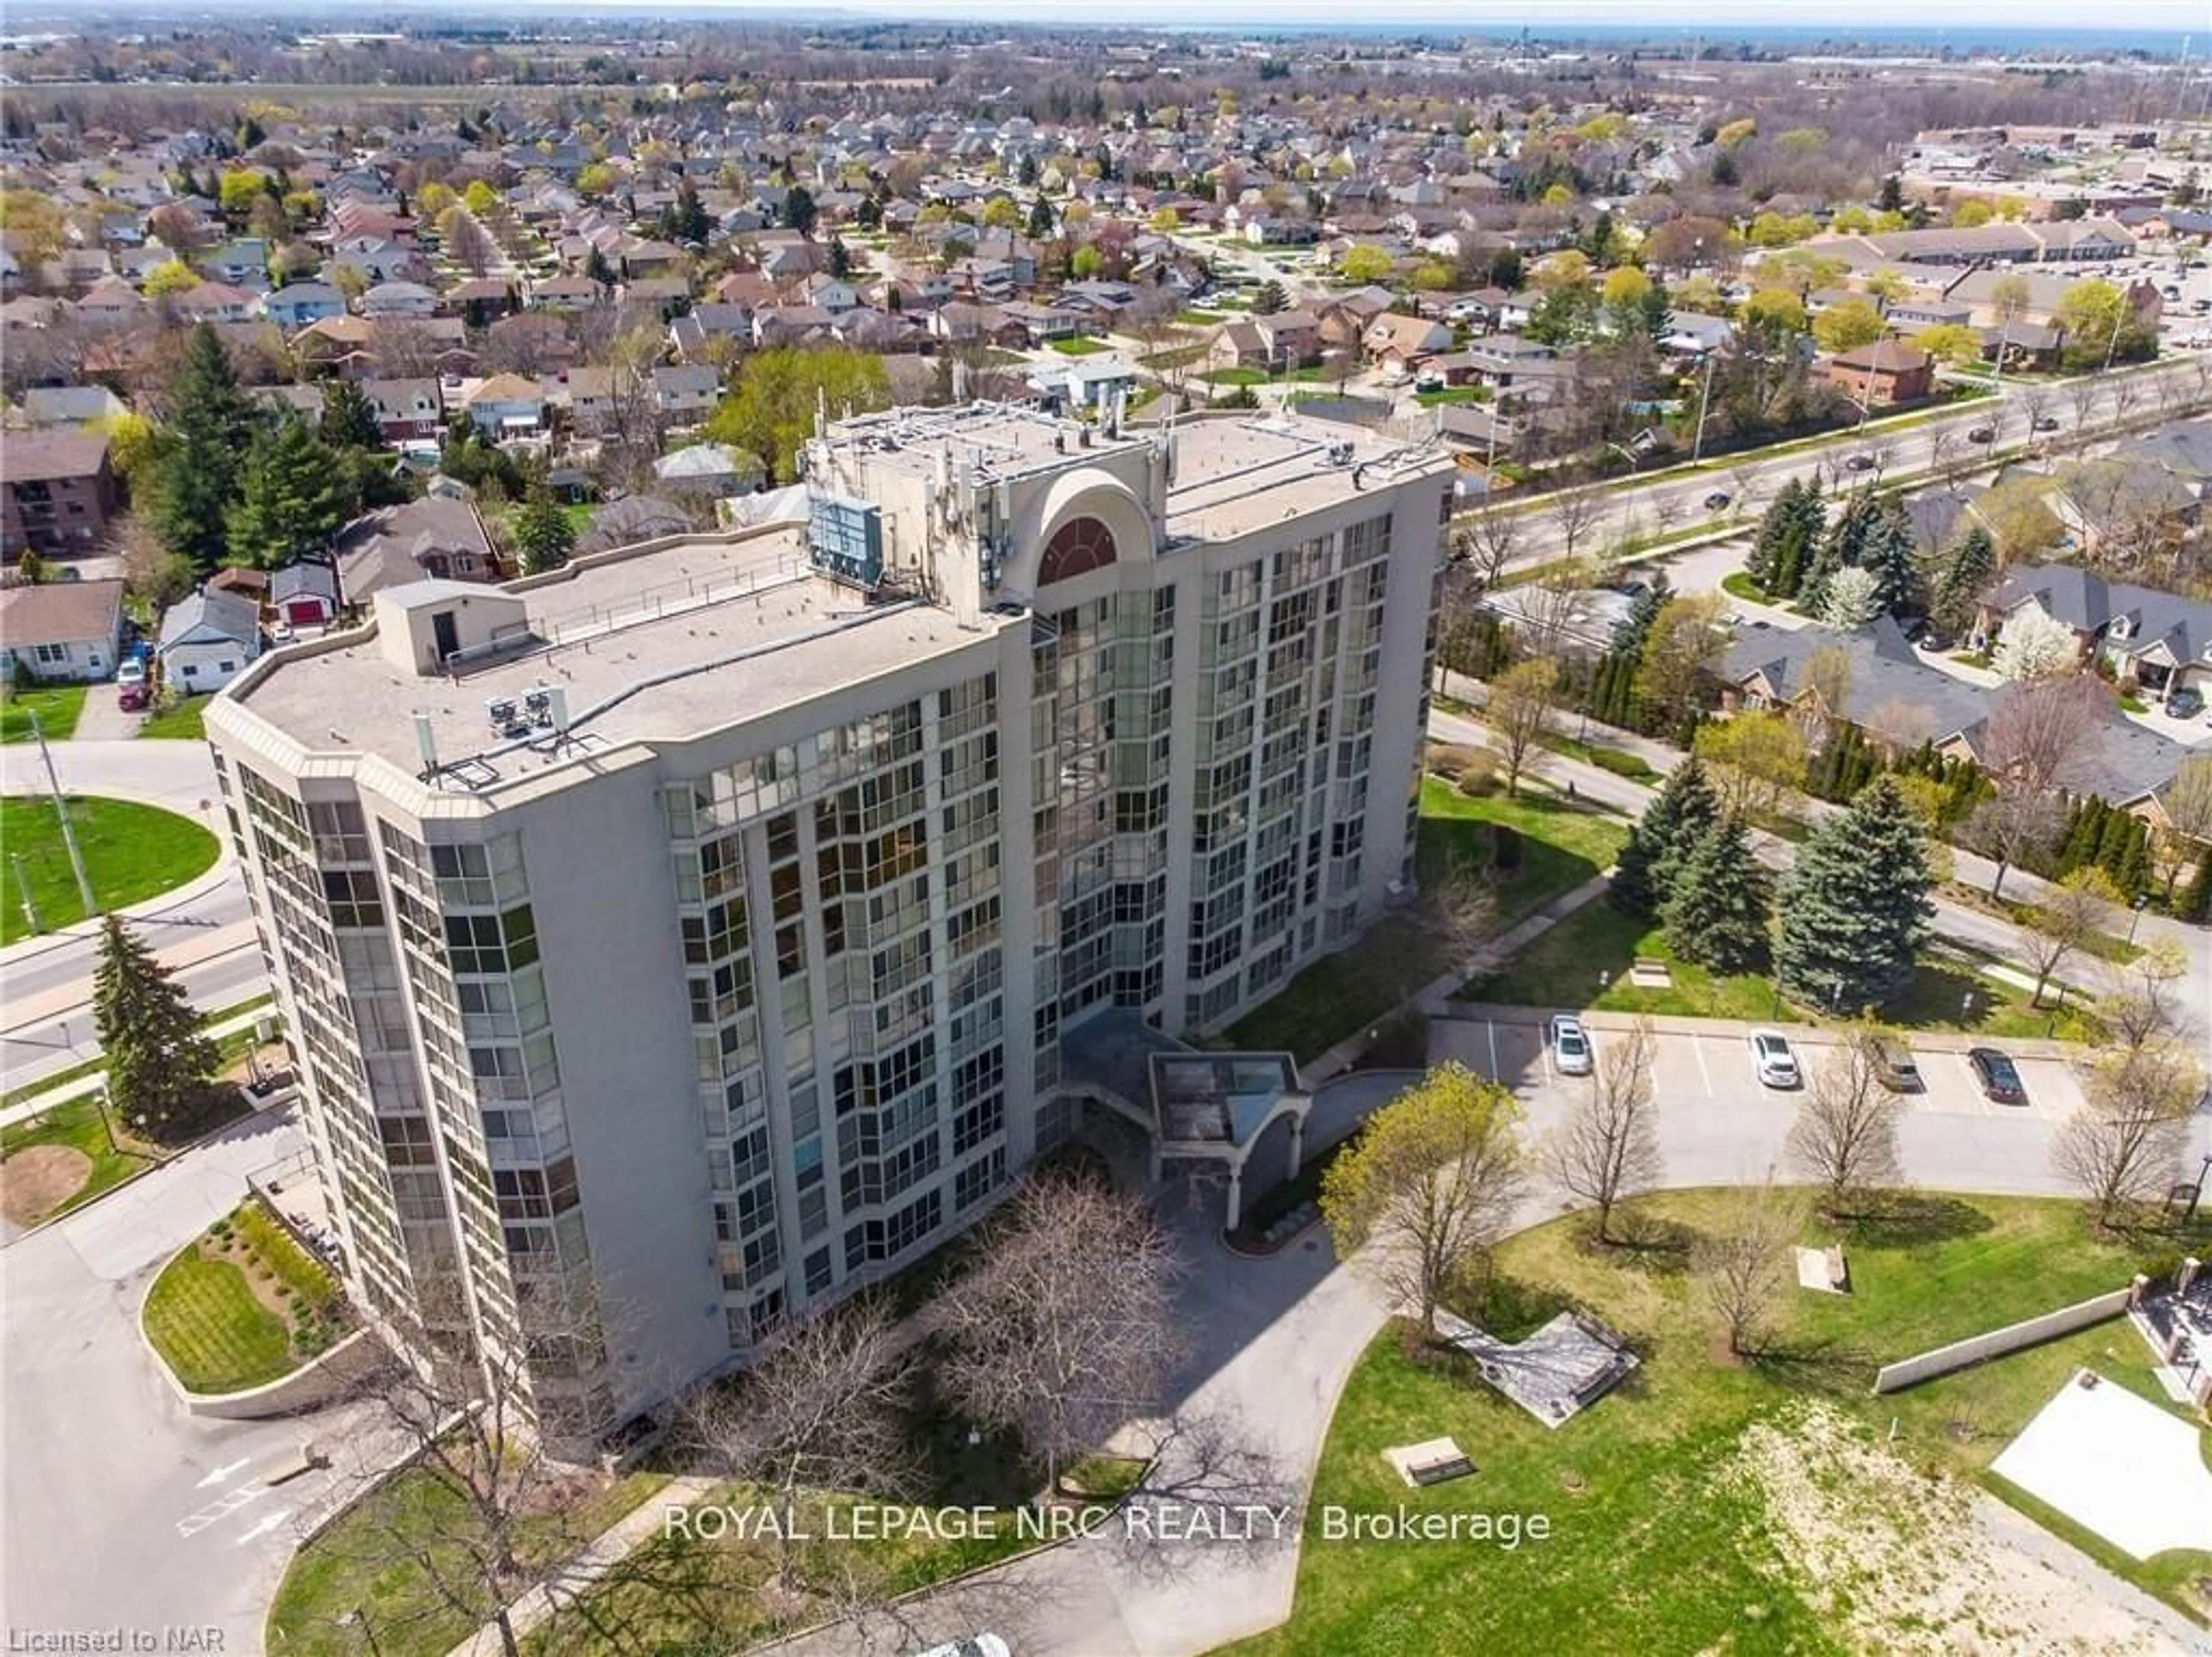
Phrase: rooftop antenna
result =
(426, 744)
(821, 413)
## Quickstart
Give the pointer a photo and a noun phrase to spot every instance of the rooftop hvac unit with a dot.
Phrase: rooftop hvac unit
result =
(540, 706)
(500, 710)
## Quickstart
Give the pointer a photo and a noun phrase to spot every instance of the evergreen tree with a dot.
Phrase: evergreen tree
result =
(159, 1060)
(2196, 901)
(1270, 299)
(595, 268)
(348, 417)
(1962, 576)
(1764, 558)
(1715, 913)
(799, 209)
(202, 456)
(1842, 547)
(1887, 553)
(543, 534)
(687, 217)
(2082, 835)
(1855, 907)
(840, 259)
(1041, 218)
(292, 501)
(1678, 816)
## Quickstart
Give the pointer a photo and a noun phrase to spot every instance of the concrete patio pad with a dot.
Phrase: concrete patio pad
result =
(2118, 1464)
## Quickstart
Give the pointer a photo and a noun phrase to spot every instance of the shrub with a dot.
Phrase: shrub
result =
(1620, 763)
(1448, 760)
(1480, 777)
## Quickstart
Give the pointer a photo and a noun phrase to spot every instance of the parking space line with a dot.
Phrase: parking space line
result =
(1982, 1107)
(1697, 1046)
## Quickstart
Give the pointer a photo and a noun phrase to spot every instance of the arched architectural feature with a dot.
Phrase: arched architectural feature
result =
(1077, 547)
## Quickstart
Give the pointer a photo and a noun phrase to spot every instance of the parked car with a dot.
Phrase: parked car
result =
(1997, 1076)
(1776, 1066)
(1570, 1046)
(1981, 434)
(2186, 703)
(1859, 463)
(1894, 1067)
(1717, 501)
(133, 691)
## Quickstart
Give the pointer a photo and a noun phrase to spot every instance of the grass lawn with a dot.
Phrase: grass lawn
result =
(1562, 846)
(1199, 318)
(1659, 1541)
(365, 1561)
(204, 1319)
(241, 1306)
(67, 1161)
(1619, 761)
(131, 852)
(1429, 400)
(185, 721)
(1562, 968)
(57, 707)
(1079, 346)
(1738, 584)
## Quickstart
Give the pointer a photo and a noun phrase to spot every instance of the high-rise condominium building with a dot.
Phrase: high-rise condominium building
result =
(692, 934)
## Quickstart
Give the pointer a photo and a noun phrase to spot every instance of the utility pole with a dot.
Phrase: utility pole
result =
(61, 810)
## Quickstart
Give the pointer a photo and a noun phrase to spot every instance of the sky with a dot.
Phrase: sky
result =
(1560, 17)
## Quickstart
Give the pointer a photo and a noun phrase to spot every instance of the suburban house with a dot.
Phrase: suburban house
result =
(1887, 371)
(304, 594)
(399, 299)
(70, 405)
(407, 411)
(61, 630)
(208, 640)
(1890, 693)
(508, 406)
(432, 538)
(295, 307)
(2159, 643)
(1399, 344)
(686, 392)
(713, 469)
(58, 491)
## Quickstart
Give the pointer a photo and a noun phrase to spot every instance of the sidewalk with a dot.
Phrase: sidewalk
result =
(569, 1582)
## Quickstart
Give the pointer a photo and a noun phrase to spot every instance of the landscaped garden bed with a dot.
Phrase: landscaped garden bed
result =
(242, 1306)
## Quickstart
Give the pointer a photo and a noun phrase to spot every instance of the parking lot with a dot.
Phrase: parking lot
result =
(1706, 1067)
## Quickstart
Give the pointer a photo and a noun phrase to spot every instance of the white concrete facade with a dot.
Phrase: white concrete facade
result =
(703, 941)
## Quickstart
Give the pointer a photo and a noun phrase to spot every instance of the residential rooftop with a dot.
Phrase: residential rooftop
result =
(662, 644)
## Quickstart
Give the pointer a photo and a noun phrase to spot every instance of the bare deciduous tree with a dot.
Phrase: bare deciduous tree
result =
(1488, 542)
(1607, 1151)
(1745, 1263)
(2037, 727)
(2121, 1149)
(1520, 707)
(2011, 826)
(1069, 1326)
(1546, 609)
(1420, 1198)
(1574, 513)
(471, 1414)
(1845, 1134)
(2077, 909)
(2141, 1001)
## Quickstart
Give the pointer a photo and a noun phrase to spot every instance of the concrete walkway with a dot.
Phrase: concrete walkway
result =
(571, 1580)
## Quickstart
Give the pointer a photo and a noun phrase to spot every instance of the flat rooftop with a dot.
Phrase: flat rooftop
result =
(661, 645)
(1233, 477)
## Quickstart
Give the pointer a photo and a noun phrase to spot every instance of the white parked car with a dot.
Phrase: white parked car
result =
(1772, 1057)
(982, 1645)
(1570, 1046)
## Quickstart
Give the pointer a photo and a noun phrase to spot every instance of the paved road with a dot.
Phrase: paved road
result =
(118, 1508)
(1675, 502)
(205, 931)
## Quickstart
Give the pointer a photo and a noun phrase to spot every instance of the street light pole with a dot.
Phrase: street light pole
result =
(1704, 402)
(2137, 919)
(61, 810)
(2196, 1192)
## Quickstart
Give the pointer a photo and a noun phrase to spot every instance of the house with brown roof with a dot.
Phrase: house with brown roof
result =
(1398, 344)
(58, 491)
(432, 539)
(1887, 371)
(61, 630)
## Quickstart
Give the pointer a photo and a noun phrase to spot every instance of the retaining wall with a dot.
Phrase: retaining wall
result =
(1995, 1343)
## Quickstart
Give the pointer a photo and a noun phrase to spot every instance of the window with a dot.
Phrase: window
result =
(52, 654)
(1077, 547)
